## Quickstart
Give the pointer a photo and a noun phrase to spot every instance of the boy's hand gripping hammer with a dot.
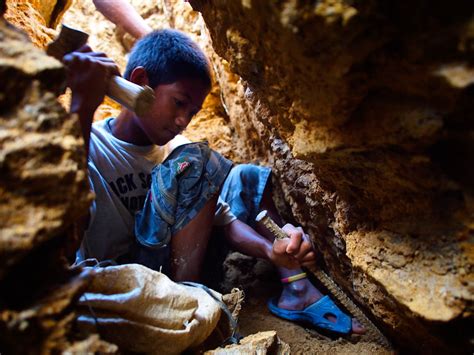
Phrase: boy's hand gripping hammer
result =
(136, 98)
(371, 330)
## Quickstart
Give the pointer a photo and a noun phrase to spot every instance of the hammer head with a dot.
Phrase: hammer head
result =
(69, 40)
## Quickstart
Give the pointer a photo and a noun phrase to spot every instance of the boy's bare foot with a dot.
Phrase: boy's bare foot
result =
(298, 295)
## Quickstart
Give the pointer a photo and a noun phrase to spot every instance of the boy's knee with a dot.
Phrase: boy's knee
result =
(244, 172)
(181, 186)
(247, 175)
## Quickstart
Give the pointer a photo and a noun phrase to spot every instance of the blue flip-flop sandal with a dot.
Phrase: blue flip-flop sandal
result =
(316, 314)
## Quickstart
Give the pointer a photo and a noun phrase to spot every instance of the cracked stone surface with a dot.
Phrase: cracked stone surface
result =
(363, 110)
(43, 191)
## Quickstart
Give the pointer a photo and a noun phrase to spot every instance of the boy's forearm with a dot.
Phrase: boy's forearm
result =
(247, 241)
(88, 78)
(123, 14)
(86, 116)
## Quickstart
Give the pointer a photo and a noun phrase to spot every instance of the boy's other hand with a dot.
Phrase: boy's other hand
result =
(295, 251)
(88, 77)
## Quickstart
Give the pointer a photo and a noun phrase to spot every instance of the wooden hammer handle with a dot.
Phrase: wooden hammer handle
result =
(136, 98)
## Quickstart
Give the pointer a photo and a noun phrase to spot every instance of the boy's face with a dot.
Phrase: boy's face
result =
(175, 104)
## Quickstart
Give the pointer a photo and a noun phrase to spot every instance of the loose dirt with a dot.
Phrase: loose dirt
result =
(260, 283)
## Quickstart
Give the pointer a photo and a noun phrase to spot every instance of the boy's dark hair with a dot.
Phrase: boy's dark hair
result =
(168, 56)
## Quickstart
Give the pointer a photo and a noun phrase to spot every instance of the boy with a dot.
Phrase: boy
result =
(168, 224)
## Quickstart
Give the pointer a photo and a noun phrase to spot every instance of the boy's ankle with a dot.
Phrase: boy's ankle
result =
(297, 288)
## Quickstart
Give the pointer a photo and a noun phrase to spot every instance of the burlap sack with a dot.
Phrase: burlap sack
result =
(142, 310)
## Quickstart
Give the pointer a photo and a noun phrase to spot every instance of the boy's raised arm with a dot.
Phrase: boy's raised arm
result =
(123, 14)
(88, 76)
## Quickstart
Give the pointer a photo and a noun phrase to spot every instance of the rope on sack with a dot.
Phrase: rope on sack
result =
(93, 263)
(234, 337)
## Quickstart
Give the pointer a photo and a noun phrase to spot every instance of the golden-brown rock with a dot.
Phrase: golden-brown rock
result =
(26, 15)
(44, 187)
(261, 343)
(43, 191)
(358, 105)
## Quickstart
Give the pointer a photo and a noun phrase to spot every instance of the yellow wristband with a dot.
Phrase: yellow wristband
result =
(293, 278)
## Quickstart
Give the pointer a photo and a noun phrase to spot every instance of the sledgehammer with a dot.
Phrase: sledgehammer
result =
(134, 97)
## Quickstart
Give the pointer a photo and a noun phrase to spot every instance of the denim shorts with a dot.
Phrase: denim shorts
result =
(243, 190)
(181, 186)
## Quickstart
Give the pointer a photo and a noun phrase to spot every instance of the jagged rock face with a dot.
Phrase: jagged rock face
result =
(36, 17)
(364, 109)
(44, 186)
(260, 343)
(43, 190)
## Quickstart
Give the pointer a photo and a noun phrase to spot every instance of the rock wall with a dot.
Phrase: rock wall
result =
(36, 17)
(43, 191)
(364, 109)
